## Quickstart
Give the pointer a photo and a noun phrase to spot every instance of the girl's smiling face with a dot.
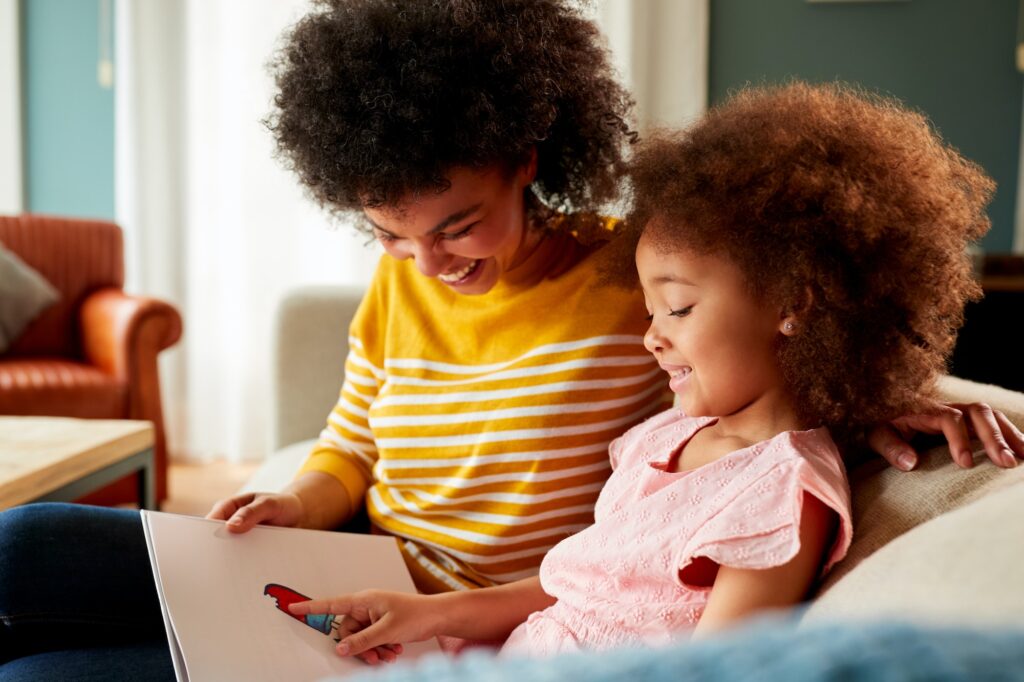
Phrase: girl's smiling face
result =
(713, 336)
(468, 236)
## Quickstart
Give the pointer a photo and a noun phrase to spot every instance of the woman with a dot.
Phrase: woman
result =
(489, 368)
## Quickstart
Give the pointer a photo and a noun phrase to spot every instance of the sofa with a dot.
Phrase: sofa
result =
(939, 547)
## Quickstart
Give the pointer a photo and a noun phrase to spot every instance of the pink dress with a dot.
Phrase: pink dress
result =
(617, 582)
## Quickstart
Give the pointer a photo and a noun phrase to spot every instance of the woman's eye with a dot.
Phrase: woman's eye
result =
(649, 318)
(681, 312)
(464, 232)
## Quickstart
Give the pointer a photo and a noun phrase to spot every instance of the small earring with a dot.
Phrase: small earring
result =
(789, 326)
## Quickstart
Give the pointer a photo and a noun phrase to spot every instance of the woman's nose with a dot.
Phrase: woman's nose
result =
(430, 258)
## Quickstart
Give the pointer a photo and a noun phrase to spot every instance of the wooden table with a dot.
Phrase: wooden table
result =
(57, 459)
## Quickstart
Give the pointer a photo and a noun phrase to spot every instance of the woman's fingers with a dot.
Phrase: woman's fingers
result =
(954, 428)
(260, 509)
(889, 443)
(947, 420)
(1014, 437)
(223, 509)
(982, 421)
(1002, 440)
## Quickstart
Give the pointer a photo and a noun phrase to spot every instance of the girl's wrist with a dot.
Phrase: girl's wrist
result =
(452, 613)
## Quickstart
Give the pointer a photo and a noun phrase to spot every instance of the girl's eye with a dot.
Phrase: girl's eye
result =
(681, 312)
(464, 232)
(385, 237)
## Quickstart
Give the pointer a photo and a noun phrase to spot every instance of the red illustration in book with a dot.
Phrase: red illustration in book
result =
(321, 622)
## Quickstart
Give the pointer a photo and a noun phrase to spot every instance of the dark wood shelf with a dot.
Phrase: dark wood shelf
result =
(990, 347)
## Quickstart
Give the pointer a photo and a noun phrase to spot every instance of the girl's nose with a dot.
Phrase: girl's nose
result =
(653, 341)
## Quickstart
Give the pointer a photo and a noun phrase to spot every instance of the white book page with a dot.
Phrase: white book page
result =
(212, 584)
(172, 639)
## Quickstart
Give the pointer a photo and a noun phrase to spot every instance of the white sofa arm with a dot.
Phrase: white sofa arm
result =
(1011, 403)
(928, 545)
(310, 345)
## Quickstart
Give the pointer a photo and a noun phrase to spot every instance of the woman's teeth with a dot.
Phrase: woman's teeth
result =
(452, 277)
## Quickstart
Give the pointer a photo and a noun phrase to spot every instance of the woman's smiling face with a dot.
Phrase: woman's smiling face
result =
(468, 236)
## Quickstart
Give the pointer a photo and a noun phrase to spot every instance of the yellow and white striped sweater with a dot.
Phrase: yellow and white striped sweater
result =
(477, 427)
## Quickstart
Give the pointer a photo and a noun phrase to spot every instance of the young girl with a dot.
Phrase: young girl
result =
(802, 256)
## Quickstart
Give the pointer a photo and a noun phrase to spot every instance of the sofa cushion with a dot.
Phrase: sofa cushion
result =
(957, 390)
(959, 568)
(24, 294)
(279, 469)
(888, 503)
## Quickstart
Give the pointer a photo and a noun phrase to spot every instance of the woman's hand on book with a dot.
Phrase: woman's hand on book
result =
(377, 622)
(242, 512)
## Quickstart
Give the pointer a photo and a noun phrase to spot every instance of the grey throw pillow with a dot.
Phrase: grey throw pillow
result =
(24, 294)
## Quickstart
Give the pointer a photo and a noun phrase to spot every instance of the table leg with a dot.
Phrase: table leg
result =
(142, 464)
(147, 482)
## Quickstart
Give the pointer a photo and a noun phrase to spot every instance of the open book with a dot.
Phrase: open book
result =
(223, 595)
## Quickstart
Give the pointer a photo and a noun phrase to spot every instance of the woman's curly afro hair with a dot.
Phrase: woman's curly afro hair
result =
(846, 196)
(378, 99)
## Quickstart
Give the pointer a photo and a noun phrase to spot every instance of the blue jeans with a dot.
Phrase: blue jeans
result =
(77, 598)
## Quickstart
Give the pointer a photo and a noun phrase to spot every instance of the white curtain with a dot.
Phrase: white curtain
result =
(215, 225)
(10, 110)
(212, 222)
(660, 48)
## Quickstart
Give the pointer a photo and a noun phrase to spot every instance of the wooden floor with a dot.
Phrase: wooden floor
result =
(195, 486)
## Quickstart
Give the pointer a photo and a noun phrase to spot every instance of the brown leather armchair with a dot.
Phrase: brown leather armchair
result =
(94, 353)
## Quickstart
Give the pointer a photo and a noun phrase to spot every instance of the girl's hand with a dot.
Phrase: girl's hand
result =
(958, 422)
(377, 622)
(242, 512)
(386, 653)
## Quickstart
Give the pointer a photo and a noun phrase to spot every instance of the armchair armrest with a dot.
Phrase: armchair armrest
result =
(122, 334)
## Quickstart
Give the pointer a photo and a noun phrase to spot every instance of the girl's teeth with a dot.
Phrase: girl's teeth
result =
(456, 276)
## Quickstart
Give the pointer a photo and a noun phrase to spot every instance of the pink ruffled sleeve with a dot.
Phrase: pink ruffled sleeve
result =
(760, 526)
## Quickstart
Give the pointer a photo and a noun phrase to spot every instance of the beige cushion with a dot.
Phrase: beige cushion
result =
(279, 469)
(961, 568)
(956, 390)
(888, 502)
(936, 541)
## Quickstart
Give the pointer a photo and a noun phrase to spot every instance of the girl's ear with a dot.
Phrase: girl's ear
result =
(791, 317)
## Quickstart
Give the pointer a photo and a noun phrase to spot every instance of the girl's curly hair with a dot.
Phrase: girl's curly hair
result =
(845, 196)
(380, 98)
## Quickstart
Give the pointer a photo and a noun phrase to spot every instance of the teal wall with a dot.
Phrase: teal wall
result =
(68, 118)
(951, 59)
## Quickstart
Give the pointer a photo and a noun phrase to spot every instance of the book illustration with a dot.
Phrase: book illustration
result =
(321, 622)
